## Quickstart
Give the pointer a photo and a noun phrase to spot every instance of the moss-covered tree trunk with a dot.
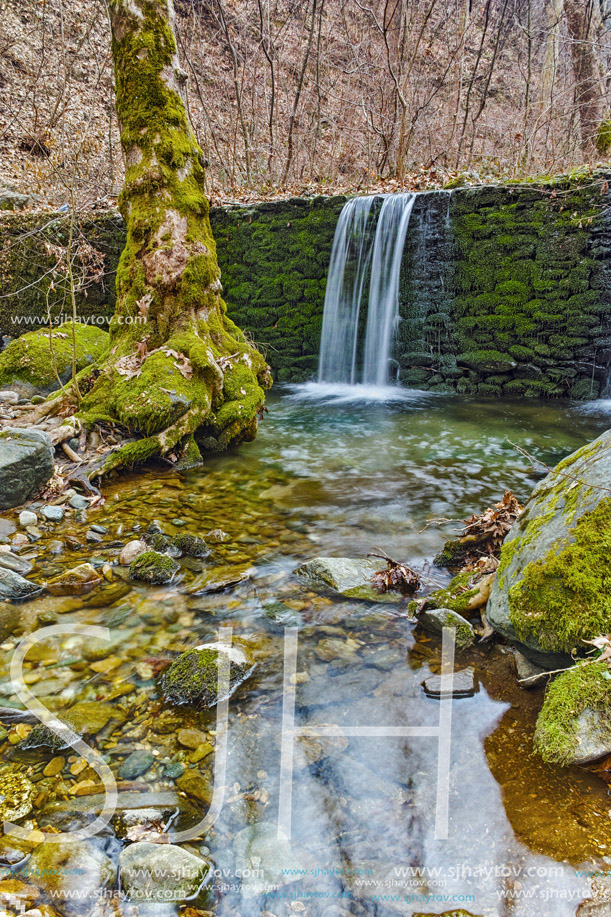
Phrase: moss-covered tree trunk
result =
(178, 367)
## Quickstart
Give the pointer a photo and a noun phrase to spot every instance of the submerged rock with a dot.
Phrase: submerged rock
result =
(63, 869)
(218, 579)
(193, 677)
(85, 718)
(26, 464)
(435, 619)
(154, 568)
(17, 794)
(553, 586)
(264, 860)
(161, 872)
(574, 725)
(345, 576)
(78, 581)
(138, 763)
(15, 588)
(463, 685)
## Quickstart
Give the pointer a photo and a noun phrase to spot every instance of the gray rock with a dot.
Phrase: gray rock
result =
(161, 873)
(13, 200)
(350, 577)
(463, 685)
(137, 764)
(10, 561)
(557, 514)
(435, 619)
(131, 552)
(26, 464)
(78, 502)
(14, 587)
(9, 397)
(53, 513)
(528, 671)
(26, 517)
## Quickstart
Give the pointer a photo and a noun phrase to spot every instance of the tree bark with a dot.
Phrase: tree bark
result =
(579, 14)
(179, 372)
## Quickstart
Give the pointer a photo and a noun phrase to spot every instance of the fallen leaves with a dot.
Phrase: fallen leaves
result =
(491, 527)
(398, 577)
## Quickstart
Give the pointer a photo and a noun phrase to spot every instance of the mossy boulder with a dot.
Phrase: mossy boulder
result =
(191, 545)
(574, 726)
(154, 568)
(27, 364)
(552, 591)
(193, 679)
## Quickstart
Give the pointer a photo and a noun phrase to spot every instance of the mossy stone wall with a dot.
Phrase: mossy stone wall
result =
(504, 290)
(525, 304)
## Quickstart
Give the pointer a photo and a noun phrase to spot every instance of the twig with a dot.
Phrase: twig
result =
(563, 474)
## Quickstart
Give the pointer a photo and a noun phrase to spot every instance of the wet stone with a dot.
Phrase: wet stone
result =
(173, 770)
(161, 872)
(15, 588)
(138, 763)
(190, 738)
(463, 685)
(26, 517)
(193, 784)
(15, 563)
(17, 796)
(53, 513)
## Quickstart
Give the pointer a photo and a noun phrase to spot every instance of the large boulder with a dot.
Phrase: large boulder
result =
(29, 366)
(345, 576)
(552, 590)
(26, 464)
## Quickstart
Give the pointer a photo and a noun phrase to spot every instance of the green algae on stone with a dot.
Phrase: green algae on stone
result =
(191, 545)
(456, 595)
(574, 725)
(193, 679)
(154, 568)
(27, 362)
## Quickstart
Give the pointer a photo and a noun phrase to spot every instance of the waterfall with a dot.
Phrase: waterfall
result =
(383, 313)
(355, 253)
(350, 258)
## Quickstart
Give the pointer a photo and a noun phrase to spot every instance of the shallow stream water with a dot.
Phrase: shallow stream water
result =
(334, 471)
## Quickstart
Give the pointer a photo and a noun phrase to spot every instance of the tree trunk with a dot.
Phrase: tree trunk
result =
(178, 366)
(585, 69)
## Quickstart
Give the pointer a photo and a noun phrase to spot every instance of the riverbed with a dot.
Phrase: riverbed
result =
(334, 471)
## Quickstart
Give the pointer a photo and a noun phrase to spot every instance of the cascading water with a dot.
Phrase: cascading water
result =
(354, 252)
(383, 313)
(350, 258)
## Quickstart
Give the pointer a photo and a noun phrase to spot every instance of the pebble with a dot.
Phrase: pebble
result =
(79, 502)
(55, 546)
(53, 513)
(137, 764)
(191, 738)
(54, 767)
(131, 552)
(90, 535)
(100, 529)
(173, 770)
(27, 518)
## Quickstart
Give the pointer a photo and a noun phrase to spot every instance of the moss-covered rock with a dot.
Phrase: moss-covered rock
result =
(154, 568)
(553, 586)
(345, 576)
(193, 679)
(457, 595)
(436, 619)
(28, 365)
(574, 725)
(191, 545)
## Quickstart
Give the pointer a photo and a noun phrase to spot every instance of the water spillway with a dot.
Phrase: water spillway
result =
(362, 254)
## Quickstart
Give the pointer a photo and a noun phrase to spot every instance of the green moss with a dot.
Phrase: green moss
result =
(565, 597)
(28, 359)
(487, 360)
(154, 568)
(585, 686)
(191, 545)
(193, 678)
(603, 137)
(457, 594)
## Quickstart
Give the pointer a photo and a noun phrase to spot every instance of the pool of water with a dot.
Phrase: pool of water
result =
(332, 472)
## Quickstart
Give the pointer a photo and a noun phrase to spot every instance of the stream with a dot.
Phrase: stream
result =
(335, 470)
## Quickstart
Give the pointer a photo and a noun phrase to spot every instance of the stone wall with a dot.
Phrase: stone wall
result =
(504, 290)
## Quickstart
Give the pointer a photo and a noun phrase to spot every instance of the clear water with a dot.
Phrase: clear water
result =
(333, 472)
